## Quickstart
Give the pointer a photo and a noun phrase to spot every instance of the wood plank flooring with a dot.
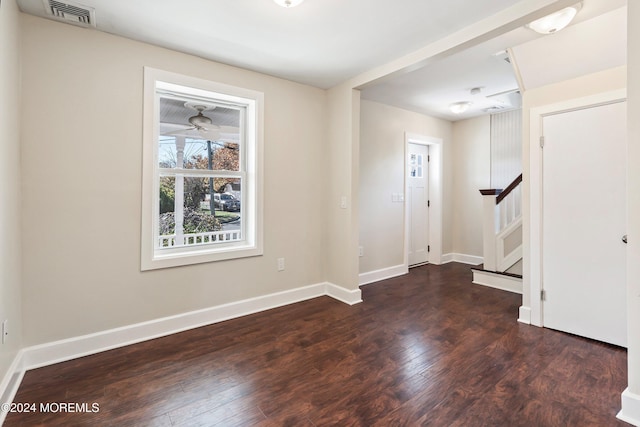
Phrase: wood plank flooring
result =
(428, 348)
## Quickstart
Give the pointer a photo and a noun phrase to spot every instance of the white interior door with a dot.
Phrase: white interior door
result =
(584, 219)
(417, 203)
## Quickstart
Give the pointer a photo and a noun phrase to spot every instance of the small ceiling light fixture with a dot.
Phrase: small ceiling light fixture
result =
(556, 21)
(459, 107)
(288, 3)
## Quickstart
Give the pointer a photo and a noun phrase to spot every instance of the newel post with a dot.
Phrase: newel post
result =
(489, 228)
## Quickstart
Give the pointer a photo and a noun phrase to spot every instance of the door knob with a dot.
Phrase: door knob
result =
(624, 238)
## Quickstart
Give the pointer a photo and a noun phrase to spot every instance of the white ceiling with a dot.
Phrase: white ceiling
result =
(325, 42)
(430, 90)
(594, 45)
(320, 42)
(595, 41)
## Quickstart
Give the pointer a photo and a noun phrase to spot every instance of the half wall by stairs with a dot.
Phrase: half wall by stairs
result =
(502, 238)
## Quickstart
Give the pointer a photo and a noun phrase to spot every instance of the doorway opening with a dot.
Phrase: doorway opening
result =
(423, 201)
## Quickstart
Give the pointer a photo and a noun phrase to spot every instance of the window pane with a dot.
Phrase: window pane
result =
(212, 155)
(195, 191)
(204, 135)
(167, 153)
(166, 223)
(167, 195)
(227, 201)
(196, 223)
(188, 153)
(226, 156)
(181, 152)
(196, 154)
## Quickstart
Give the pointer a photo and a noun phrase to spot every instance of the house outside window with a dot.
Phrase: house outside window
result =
(202, 198)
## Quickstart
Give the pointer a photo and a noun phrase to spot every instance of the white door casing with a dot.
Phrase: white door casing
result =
(583, 221)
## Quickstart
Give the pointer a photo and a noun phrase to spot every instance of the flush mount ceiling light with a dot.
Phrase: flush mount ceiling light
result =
(556, 21)
(459, 107)
(288, 3)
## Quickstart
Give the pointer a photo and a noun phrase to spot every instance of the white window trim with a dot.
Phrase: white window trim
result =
(252, 189)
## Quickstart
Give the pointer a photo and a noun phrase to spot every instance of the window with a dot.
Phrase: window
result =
(202, 198)
(415, 161)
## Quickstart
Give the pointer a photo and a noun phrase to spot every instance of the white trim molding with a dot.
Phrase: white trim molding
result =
(462, 258)
(524, 315)
(11, 382)
(60, 351)
(382, 274)
(347, 296)
(506, 261)
(630, 412)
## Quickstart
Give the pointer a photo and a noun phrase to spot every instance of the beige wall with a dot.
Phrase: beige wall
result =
(10, 247)
(340, 175)
(82, 155)
(633, 199)
(471, 172)
(382, 144)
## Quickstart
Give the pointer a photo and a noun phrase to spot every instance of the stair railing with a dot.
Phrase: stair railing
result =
(502, 226)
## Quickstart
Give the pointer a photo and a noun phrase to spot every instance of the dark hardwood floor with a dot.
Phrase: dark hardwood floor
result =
(429, 348)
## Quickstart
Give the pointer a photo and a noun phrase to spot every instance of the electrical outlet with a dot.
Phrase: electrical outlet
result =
(280, 264)
(5, 330)
(361, 251)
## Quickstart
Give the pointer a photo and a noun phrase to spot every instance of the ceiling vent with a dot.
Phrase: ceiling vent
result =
(71, 13)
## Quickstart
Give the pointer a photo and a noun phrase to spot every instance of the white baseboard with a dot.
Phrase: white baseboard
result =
(498, 281)
(462, 258)
(524, 315)
(630, 412)
(11, 382)
(63, 350)
(382, 274)
(346, 296)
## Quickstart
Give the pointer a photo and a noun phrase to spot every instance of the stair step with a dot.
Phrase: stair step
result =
(501, 273)
(504, 281)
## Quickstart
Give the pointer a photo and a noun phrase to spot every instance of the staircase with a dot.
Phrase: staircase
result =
(502, 238)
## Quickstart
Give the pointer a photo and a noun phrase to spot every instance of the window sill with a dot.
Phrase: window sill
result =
(168, 259)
